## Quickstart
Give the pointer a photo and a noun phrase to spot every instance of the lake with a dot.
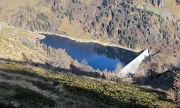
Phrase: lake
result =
(98, 56)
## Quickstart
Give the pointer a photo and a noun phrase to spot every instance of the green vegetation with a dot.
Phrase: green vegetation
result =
(76, 1)
(111, 28)
(108, 2)
(56, 8)
(69, 14)
(42, 16)
(75, 90)
(24, 43)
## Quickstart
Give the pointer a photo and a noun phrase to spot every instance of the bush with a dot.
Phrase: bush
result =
(111, 28)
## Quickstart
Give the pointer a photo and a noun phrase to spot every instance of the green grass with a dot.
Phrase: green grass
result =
(25, 44)
(77, 91)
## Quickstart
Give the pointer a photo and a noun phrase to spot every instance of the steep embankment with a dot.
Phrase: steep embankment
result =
(31, 86)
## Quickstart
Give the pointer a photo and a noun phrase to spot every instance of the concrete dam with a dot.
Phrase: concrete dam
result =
(132, 67)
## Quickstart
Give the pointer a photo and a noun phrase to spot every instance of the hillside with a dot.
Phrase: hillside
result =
(128, 23)
(33, 74)
(28, 82)
(19, 45)
(27, 86)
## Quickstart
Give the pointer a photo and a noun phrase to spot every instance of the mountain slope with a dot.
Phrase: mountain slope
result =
(30, 86)
(118, 22)
(17, 44)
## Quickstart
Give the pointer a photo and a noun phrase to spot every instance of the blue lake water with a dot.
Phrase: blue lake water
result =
(98, 56)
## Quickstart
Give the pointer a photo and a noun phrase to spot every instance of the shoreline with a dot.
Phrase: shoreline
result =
(88, 41)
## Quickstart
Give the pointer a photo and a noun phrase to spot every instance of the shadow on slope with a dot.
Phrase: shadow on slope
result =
(164, 81)
(87, 97)
(85, 92)
(102, 100)
(73, 69)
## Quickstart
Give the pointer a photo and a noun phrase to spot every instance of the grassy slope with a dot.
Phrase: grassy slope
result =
(44, 88)
(11, 6)
(16, 44)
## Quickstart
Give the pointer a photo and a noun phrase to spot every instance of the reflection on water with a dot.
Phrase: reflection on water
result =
(97, 56)
(124, 56)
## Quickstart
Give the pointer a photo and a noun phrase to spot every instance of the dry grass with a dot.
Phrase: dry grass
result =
(85, 35)
(73, 30)
(10, 7)
(44, 9)
(88, 2)
(172, 6)
(15, 4)
(12, 47)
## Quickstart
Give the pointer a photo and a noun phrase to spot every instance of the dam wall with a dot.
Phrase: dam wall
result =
(132, 67)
